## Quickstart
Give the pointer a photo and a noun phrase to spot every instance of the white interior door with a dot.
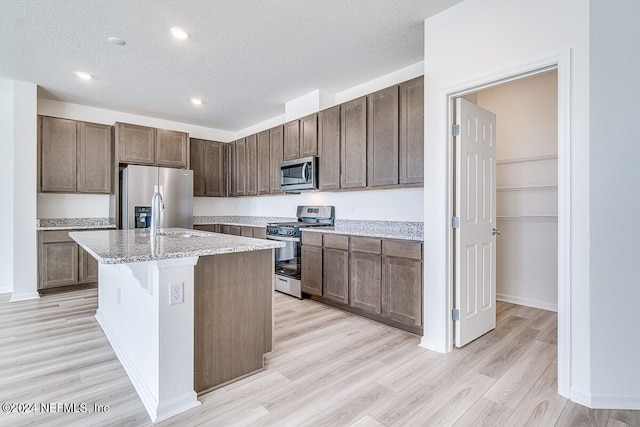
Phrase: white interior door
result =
(475, 238)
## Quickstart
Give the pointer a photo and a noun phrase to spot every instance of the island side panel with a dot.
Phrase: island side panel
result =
(233, 316)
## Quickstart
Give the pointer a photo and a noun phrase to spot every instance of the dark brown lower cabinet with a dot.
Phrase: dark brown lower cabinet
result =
(237, 230)
(312, 269)
(335, 268)
(402, 290)
(62, 263)
(376, 278)
(364, 287)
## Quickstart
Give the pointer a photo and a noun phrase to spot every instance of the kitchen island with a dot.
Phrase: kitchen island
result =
(185, 311)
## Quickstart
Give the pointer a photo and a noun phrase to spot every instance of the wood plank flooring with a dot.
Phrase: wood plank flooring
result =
(328, 368)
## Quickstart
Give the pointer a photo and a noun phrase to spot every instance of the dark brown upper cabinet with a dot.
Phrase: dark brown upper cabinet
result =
(353, 143)
(292, 140)
(301, 138)
(94, 158)
(329, 148)
(74, 156)
(149, 146)
(382, 137)
(309, 136)
(264, 183)
(251, 165)
(209, 164)
(171, 148)
(411, 148)
(238, 154)
(275, 157)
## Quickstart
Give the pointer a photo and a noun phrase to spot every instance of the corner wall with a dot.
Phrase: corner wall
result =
(614, 204)
(25, 260)
(491, 37)
(7, 187)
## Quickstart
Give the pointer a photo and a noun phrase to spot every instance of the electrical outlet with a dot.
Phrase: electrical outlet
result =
(176, 293)
(119, 295)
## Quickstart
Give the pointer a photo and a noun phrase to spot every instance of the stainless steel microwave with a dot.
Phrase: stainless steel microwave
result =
(299, 174)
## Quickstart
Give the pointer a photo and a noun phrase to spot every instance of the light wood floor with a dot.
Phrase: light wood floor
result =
(329, 368)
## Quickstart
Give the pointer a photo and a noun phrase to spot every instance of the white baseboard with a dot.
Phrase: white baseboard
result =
(24, 296)
(157, 411)
(543, 305)
(605, 400)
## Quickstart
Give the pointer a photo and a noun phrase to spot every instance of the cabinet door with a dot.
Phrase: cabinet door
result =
(58, 154)
(311, 267)
(263, 163)
(353, 144)
(216, 169)
(412, 132)
(136, 144)
(260, 232)
(275, 158)
(196, 149)
(402, 290)
(329, 148)
(292, 140)
(309, 136)
(59, 264)
(88, 267)
(94, 158)
(171, 148)
(365, 284)
(238, 153)
(251, 165)
(382, 137)
(335, 267)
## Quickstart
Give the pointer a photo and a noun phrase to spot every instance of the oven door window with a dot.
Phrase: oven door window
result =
(288, 260)
(296, 174)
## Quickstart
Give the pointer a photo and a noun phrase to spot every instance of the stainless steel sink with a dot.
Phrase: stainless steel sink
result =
(182, 233)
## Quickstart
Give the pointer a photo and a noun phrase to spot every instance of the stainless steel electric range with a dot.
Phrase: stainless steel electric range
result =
(287, 259)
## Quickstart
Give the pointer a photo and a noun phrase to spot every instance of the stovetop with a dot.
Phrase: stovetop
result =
(308, 216)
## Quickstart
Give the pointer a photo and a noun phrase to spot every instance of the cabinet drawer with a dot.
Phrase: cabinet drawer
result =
(246, 231)
(313, 239)
(366, 244)
(56, 236)
(402, 249)
(336, 241)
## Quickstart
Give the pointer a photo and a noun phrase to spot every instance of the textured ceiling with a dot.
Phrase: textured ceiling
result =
(244, 58)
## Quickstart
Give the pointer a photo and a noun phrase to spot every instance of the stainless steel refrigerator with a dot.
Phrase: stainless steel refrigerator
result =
(175, 186)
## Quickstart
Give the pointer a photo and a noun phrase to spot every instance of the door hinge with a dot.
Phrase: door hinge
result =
(455, 130)
(455, 222)
(455, 314)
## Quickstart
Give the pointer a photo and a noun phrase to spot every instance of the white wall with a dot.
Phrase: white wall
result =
(405, 204)
(492, 37)
(25, 262)
(614, 203)
(527, 198)
(6, 189)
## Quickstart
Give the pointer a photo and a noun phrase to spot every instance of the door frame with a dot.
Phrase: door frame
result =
(562, 64)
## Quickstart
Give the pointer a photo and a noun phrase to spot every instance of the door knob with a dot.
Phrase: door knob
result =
(495, 232)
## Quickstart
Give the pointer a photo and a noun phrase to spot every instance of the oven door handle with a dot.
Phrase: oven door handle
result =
(284, 238)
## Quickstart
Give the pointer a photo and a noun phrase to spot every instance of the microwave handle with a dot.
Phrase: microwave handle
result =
(307, 172)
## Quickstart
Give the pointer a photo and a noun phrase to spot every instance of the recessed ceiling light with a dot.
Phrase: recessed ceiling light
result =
(83, 75)
(179, 33)
(116, 40)
(196, 101)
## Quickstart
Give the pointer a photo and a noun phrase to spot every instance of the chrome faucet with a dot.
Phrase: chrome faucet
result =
(157, 206)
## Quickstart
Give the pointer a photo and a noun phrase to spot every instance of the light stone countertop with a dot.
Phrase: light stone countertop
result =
(126, 246)
(48, 224)
(401, 230)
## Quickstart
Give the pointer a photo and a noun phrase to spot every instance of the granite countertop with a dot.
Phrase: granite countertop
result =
(47, 224)
(126, 246)
(254, 221)
(401, 230)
